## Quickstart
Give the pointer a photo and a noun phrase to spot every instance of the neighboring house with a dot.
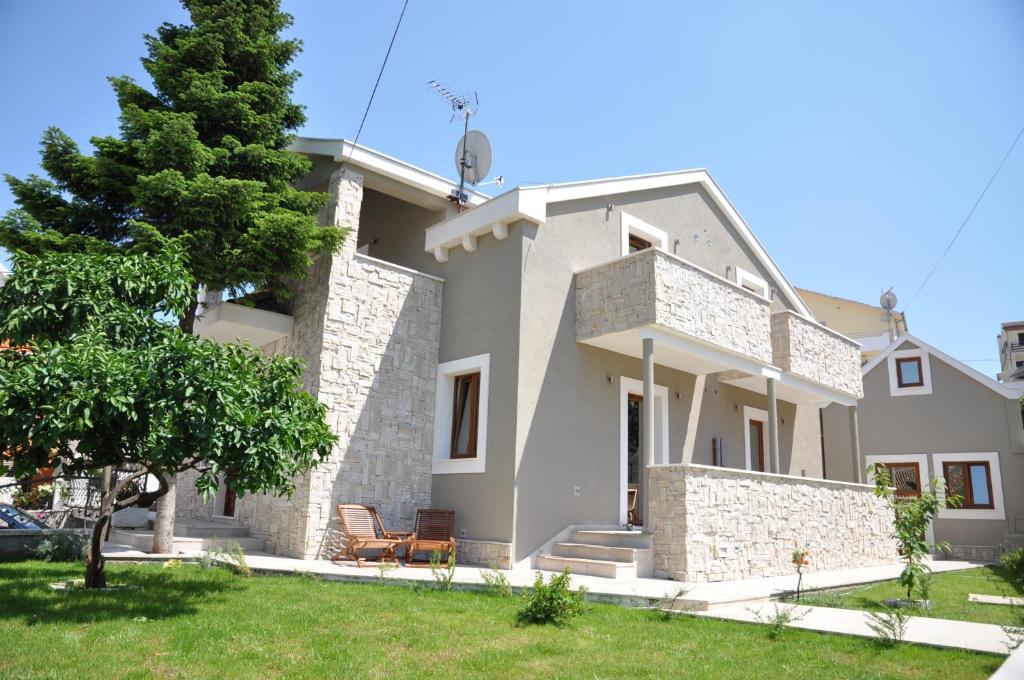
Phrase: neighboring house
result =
(873, 327)
(1011, 352)
(523, 362)
(927, 416)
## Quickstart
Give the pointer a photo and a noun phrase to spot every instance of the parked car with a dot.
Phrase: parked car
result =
(15, 518)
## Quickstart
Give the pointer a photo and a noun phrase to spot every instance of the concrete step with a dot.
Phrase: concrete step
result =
(143, 540)
(614, 538)
(590, 551)
(585, 567)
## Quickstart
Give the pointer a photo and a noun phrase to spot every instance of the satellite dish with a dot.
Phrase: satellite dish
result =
(473, 156)
(888, 300)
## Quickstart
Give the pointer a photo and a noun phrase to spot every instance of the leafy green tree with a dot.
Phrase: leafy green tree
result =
(201, 158)
(912, 516)
(102, 379)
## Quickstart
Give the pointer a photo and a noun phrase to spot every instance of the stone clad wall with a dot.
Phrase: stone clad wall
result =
(615, 297)
(708, 308)
(816, 353)
(654, 287)
(715, 524)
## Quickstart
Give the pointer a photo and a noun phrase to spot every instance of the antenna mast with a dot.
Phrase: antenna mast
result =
(464, 106)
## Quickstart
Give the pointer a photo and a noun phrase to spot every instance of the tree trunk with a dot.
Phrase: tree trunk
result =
(95, 574)
(163, 528)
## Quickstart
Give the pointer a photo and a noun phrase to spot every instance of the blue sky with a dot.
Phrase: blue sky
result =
(853, 137)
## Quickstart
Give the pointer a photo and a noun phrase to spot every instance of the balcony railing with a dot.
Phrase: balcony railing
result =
(812, 351)
(652, 287)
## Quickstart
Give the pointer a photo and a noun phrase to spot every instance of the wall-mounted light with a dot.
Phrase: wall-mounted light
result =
(609, 377)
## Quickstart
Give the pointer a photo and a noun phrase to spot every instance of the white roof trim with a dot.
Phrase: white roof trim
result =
(999, 388)
(492, 216)
(532, 201)
(388, 166)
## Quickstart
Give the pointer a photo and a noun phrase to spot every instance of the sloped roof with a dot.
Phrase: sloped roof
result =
(997, 387)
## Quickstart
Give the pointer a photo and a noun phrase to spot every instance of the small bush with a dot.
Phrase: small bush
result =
(497, 582)
(1013, 561)
(890, 625)
(38, 498)
(551, 602)
(444, 573)
(668, 605)
(61, 547)
(777, 621)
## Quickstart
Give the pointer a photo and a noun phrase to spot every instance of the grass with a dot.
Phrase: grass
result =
(948, 595)
(195, 623)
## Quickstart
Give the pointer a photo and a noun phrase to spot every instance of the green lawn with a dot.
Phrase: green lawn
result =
(201, 623)
(948, 595)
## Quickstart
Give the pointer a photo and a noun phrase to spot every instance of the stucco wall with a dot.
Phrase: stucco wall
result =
(713, 524)
(816, 353)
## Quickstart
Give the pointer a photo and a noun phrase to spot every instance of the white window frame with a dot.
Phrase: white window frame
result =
(922, 465)
(926, 373)
(443, 463)
(630, 224)
(992, 458)
(629, 386)
(748, 280)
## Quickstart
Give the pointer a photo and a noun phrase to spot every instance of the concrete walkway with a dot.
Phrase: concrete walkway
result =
(734, 600)
(996, 599)
(977, 637)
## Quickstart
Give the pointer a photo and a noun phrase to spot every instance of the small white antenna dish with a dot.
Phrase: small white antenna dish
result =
(473, 156)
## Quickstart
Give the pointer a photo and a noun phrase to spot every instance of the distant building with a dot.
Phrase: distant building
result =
(870, 325)
(1011, 352)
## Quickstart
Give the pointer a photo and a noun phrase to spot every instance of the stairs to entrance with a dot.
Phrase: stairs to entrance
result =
(191, 536)
(611, 554)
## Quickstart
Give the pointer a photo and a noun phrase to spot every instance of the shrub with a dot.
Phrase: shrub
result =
(890, 625)
(551, 602)
(62, 547)
(1013, 561)
(37, 498)
(777, 621)
(497, 582)
(443, 573)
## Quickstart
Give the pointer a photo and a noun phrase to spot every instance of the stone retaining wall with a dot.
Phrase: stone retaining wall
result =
(715, 524)
(816, 353)
(492, 554)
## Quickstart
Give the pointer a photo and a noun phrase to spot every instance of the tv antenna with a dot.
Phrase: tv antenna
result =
(473, 152)
(888, 302)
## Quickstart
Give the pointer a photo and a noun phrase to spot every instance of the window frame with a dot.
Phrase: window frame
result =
(968, 500)
(997, 512)
(895, 389)
(444, 408)
(630, 225)
(899, 372)
(748, 281)
(638, 242)
(473, 380)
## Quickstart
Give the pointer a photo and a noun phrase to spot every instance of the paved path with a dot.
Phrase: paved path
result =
(995, 599)
(733, 600)
(978, 637)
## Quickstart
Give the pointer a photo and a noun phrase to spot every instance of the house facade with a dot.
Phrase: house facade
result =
(927, 416)
(554, 363)
(1011, 352)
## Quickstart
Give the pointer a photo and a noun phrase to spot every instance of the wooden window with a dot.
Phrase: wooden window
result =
(972, 482)
(905, 478)
(757, 445)
(464, 415)
(909, 372)
(636, 243)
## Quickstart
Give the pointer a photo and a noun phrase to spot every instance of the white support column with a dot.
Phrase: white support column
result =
(773, 427)
(858, 470)
(647, 428)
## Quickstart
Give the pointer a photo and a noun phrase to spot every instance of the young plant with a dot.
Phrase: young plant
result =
(444, 574)
(890, 625)
(1013, 561)
(801, 558)
(384, 568)
(912, 516)
(497, 582)
(778, 620)
(668, 604)
(552, 602)
(62, 547)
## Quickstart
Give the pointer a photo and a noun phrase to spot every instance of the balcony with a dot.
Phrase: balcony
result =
(232, 322)
(813, 352)
(713, 324)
